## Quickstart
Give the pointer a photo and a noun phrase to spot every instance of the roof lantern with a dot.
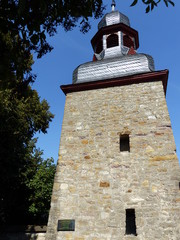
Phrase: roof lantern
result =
(115, 51)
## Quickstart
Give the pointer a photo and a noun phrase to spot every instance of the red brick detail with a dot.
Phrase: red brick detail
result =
(131, 51)
(94, 58)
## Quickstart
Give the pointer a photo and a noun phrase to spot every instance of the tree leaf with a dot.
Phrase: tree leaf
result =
(155, 3)
(152, 6)
(134, 3)
(166, 3)
(172, 3)
(147, 1)
(147, 9)
(35, 39)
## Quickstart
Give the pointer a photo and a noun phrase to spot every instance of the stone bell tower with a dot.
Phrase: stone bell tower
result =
(117, 175)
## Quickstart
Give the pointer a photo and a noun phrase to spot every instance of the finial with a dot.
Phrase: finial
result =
(113, 4)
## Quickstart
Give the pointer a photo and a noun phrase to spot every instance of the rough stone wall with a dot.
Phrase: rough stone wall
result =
(95, 183)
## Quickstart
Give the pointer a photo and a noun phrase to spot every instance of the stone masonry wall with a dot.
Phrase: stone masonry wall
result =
(95, 183)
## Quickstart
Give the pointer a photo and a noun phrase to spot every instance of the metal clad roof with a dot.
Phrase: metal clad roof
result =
(113, 18)
(113, 68)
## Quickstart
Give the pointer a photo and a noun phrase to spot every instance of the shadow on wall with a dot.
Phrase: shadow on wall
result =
(30, 232)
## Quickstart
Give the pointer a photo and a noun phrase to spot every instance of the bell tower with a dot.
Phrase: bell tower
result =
(117, 175)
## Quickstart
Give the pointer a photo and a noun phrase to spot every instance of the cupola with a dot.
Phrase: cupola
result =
(115, 51)
(115, 36)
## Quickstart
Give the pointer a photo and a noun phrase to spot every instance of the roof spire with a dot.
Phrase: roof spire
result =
(113, 4)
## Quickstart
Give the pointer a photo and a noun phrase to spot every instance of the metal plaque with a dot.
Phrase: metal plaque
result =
(66, 225)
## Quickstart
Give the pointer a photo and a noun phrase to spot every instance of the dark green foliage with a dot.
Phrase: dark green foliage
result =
(22, 115)
(32, 20)
(150, 4)
(39, 176)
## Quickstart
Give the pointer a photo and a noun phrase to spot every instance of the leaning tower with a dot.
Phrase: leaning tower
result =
(117, 175)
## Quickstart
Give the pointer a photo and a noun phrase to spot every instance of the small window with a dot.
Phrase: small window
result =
(112, 41)
(124, 143)
(130, 222)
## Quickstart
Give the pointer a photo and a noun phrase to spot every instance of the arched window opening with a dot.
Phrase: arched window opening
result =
(99, 47)
(112, 41)
(127, 41)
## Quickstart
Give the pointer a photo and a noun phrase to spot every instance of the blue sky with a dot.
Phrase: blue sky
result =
(159, 36)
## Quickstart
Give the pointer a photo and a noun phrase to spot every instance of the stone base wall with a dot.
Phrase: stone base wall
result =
(95, 182)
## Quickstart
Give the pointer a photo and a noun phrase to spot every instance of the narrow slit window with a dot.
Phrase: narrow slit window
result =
(130, 222)
(124, 143)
